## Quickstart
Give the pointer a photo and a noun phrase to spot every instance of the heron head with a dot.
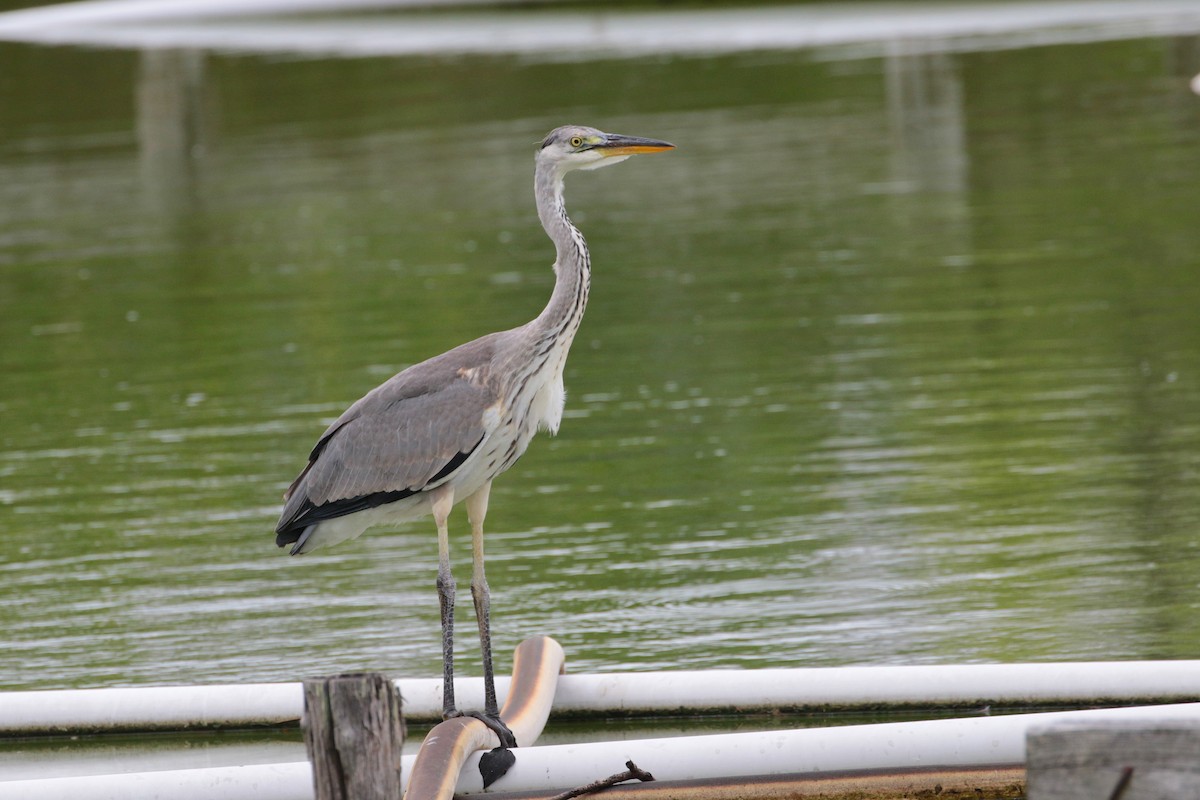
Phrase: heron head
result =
(578, 147)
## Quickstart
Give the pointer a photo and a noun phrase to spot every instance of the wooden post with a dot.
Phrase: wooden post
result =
(353, 732)
(1130, 760)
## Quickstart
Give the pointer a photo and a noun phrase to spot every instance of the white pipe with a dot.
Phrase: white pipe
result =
(1116, 682)
(123, 12)
(637, 693)
(555, 34)
(973, 742)
(150, 708)
(258, 782)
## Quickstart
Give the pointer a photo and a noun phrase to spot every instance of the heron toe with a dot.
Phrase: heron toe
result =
(494, 723)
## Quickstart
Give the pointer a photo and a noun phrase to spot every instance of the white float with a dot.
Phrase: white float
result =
(996, 741)
(635, 694)
(219, 25)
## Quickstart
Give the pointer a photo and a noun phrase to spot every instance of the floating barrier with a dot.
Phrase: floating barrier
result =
(434, 773)
(774, 759)
(629, 694)
(928, 26)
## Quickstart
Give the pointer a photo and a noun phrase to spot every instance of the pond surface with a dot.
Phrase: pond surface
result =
(894, 360)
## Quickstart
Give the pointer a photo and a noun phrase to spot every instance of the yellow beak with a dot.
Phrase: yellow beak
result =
(618, 145)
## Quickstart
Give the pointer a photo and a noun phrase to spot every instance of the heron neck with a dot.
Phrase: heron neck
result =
(572, 264)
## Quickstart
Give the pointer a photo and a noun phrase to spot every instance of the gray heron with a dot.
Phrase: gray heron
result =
(440, 431)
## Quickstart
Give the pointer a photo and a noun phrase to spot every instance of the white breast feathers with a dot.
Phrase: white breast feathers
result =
(547, 405)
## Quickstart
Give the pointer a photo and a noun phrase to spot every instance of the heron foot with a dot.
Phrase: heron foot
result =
(495, 763)
(493, 721)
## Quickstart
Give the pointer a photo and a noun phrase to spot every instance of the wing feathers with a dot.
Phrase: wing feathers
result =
(407, 435)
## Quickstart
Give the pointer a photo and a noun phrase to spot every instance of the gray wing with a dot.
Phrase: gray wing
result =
(407, 435)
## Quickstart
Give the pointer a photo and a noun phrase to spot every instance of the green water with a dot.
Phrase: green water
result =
(891, 361)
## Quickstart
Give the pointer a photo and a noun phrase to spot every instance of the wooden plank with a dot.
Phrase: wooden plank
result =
(354, 732)
(1125, 760)
(918, 784)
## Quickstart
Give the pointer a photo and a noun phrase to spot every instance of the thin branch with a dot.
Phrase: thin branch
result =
(633, 771)
(1122, 784)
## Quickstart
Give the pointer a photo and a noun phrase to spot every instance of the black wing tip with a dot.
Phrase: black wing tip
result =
(291, 527)
(284, 538)
(296, 537)
(294, 529)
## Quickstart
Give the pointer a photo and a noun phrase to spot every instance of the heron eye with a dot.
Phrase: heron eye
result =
(576, 141)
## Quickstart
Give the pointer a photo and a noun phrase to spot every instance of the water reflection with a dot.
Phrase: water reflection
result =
(884, 367)
(925, 104)
(171, 122)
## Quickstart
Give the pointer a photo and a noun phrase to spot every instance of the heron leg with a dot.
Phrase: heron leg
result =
(476, 510)
(442, 501)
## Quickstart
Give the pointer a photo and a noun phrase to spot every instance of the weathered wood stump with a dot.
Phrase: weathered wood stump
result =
(1130, 760)
(353, 732)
